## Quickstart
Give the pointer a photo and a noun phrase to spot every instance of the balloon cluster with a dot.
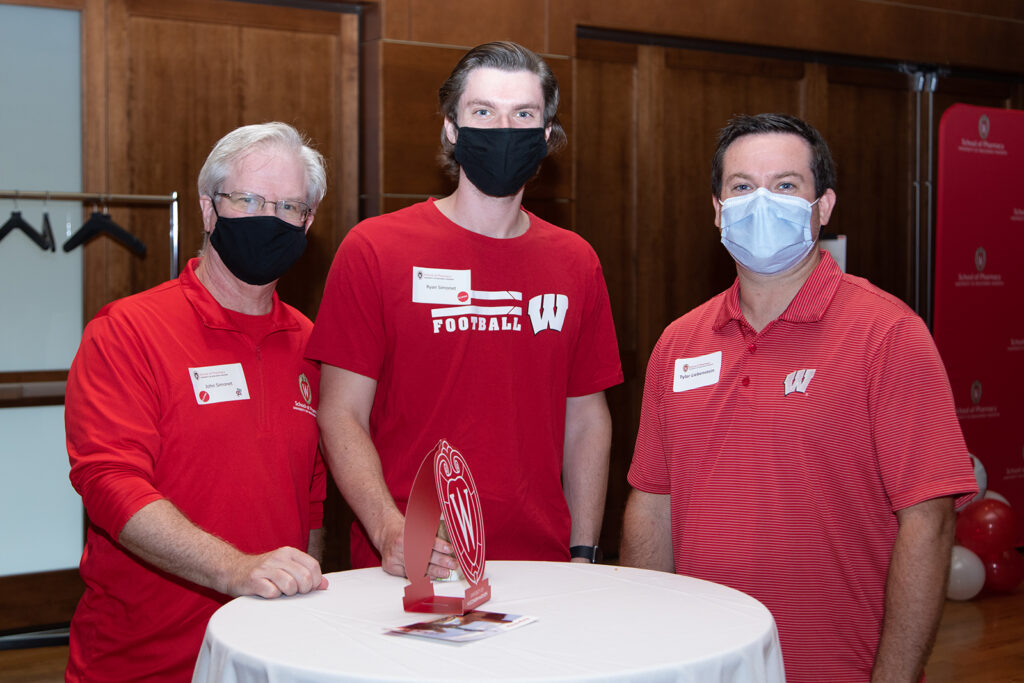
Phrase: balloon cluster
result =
(984, 556)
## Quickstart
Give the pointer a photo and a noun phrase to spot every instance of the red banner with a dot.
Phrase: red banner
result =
(979, 286)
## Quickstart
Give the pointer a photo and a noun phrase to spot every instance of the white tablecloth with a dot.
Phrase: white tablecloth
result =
(595, 623)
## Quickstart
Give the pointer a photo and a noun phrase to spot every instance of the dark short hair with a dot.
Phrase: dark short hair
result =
(506, 56)
(822, 166)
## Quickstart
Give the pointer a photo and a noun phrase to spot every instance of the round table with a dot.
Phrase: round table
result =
(594, 623)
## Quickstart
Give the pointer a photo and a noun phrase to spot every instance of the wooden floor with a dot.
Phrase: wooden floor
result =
(981, 641)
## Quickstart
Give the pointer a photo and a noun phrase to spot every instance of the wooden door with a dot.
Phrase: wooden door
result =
(605, 152)
(647, 117)
(179, 76)
(871, 123)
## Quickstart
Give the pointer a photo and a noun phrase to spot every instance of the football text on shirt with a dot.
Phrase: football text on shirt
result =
(546, 311)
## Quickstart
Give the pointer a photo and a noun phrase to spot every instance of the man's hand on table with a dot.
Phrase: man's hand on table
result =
(285, 571)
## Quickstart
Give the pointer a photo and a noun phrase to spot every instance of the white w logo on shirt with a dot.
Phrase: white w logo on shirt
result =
(798, 381)
(551, 315)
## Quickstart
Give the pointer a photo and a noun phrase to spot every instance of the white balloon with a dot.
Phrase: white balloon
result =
(996, 496)
(980, 476)
(966, 574)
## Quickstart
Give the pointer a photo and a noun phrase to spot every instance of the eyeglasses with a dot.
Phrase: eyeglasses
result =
(285, 209)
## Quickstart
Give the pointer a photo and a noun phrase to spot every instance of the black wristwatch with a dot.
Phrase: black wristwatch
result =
(591, 552)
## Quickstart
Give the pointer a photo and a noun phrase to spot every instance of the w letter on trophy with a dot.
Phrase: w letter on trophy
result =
(444, 492)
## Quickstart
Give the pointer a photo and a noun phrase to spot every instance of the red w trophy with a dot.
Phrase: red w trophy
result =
(444, 491)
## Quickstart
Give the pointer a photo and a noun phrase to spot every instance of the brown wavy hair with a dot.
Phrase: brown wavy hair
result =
(506, 56)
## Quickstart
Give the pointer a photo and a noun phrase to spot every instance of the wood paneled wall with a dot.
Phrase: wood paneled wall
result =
(175, 77)
(642, 119)
(162, 81)
(969, 33)
(38, 600)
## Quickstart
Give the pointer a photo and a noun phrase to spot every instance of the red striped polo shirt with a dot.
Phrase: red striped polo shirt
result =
(787, 451)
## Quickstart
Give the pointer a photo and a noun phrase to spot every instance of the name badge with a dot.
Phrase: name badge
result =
(219, 383)
(440, 286)
(699, 371)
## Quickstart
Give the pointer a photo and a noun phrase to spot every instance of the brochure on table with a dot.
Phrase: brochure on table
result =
(463, 628)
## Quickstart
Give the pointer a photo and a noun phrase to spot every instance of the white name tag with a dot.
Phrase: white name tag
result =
(441, 286)
(219, 383)
(700, 371)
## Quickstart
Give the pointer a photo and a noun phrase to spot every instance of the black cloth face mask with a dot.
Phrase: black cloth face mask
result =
(257, 249)
(499, 161)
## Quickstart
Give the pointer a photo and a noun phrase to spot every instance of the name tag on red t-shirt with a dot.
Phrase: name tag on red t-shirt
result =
(441, 286)
(219, 383)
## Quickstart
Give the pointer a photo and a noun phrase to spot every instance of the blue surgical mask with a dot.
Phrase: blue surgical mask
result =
(765, 232)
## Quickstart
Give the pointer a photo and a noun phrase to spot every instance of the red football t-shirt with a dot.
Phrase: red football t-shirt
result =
(479, 341)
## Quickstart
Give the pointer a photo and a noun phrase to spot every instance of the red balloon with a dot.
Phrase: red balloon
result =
(1003, 572)
(987, 527)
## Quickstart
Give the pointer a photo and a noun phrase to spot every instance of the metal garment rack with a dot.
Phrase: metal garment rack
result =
(107, 199)
(59, 636)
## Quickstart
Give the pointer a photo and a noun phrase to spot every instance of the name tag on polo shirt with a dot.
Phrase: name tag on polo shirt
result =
(699, 371)
(219, 383)
(440, 286)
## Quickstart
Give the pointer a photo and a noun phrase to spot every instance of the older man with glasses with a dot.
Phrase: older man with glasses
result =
(191, 426)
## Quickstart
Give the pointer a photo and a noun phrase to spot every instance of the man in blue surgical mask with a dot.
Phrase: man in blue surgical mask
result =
(469, 318)
(797, 437)
(191, 426)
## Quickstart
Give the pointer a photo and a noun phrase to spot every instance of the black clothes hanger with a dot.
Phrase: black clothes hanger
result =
(48, 232)
(16, 221)
(102, 223)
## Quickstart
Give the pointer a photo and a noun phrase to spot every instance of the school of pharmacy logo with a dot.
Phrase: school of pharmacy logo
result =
(984, 126)
(798, 381)
(976, 392)
(305, 389)
(980, 258)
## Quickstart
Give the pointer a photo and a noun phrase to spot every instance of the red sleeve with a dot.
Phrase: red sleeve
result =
(649, 469)
(111, 411)
(349, 331)
(596, 365)
(919, 445)
(317, 493)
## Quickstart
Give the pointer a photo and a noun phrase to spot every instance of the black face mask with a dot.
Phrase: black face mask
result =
(499, 161)
(258, 249)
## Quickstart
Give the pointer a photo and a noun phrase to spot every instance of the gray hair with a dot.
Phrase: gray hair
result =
(234, 146)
